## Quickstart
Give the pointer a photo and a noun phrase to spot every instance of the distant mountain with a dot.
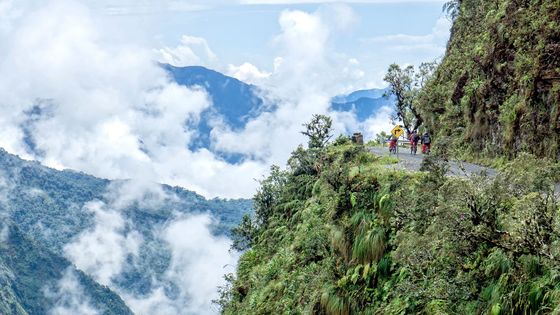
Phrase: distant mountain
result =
(236, 102)
(364, 103)
(49, 209)
(233, 101)
(354, 96)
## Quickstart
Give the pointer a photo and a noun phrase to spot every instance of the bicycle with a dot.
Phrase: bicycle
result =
(413, 148)
(393, 147)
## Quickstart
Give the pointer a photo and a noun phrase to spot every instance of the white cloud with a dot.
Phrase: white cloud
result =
(69, 296)
(108, 109)
(198, 259)
(433, 42)
(149, 195)
(191, 51)
(198, 278)
(307, 73)
(198, 262)
(102, 250)
(381, 121)
(248, 73)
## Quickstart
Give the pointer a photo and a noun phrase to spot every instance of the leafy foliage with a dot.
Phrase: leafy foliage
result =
(243, 235)
(349, 236)
(358, 238)
(497, 90)
(318, 130)
(405, 84)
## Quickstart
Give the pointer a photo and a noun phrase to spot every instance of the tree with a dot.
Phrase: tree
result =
(318, 130)
(243, 235)
(405, 84)
(381, 137)
(268, 196)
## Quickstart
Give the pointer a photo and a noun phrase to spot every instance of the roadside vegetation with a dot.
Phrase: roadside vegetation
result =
(340, 233)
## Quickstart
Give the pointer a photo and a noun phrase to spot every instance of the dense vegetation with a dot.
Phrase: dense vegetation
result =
(497, 90)
(339, 233)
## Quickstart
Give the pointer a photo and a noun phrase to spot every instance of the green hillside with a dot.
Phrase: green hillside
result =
(497, 90)
(350, 236)
(340, 233)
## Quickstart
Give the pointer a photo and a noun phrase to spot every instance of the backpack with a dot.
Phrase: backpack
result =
(427, 139)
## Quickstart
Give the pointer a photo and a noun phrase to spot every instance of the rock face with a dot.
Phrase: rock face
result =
(498, 87)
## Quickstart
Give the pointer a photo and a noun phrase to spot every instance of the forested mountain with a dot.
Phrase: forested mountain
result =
(497, 90)
(235, 103)
(33, 280)
(117, 231)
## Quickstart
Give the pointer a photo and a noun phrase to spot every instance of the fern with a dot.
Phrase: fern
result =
(333, 304)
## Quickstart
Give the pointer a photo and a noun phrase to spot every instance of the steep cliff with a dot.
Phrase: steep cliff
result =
(497, 90)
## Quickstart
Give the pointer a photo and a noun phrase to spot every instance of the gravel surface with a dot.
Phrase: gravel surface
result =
(411, 162)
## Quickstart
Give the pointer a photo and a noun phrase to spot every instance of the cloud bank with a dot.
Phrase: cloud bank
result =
(308, 72)
(101, 251)
(198, 259)
(69, 296)
(74, 97)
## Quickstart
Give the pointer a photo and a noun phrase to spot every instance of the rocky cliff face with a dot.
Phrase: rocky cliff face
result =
(497, 90)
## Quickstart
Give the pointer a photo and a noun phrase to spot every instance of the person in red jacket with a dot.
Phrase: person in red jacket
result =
(426, 143)
(414, 138)
(393, 144)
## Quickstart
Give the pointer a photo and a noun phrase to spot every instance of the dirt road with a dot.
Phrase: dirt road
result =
(411, 162)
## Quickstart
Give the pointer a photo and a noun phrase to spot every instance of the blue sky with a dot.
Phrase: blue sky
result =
(89, 64)
(379, 33)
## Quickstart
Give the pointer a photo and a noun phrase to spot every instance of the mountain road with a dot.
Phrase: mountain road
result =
(413, 162)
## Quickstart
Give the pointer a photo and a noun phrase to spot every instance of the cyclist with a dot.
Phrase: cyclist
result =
(393, 144)
(426, 143)
(414, 138)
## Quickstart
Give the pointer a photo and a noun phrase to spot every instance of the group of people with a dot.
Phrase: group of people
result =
(425, 140)
(414, 138)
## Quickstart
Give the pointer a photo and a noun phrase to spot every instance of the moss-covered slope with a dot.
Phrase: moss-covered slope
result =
(497, 90)
(349, 236)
